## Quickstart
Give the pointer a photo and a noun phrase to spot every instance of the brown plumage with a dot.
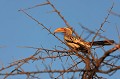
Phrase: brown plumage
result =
(78, 43)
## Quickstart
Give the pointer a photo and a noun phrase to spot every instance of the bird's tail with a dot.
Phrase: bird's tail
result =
(104, 42)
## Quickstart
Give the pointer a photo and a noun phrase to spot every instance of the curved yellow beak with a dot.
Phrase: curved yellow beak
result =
(59, 30)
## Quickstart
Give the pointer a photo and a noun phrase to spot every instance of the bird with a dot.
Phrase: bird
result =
(77, 43)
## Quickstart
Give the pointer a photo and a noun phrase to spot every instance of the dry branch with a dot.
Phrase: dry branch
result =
(87, 65)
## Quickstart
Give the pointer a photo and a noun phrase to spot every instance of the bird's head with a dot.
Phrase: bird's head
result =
(65, 30)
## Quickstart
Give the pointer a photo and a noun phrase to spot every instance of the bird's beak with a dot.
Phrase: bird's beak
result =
(59, 30)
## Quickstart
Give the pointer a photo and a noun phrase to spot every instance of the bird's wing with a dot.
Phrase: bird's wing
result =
(76, 40)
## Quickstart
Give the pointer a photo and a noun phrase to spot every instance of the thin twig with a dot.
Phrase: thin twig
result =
(105, 20)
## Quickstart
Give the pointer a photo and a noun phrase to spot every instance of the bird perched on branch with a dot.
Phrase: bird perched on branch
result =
(77, 43)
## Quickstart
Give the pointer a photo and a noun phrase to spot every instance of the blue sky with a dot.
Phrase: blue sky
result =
(16, 29)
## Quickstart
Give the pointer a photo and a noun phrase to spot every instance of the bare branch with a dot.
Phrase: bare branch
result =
(110, 70)
(46, 3)
(107, 53)
(41, 25)
(65, 21)
(105, 20)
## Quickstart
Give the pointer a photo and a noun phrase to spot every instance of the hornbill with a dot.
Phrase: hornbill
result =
(77, 43)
